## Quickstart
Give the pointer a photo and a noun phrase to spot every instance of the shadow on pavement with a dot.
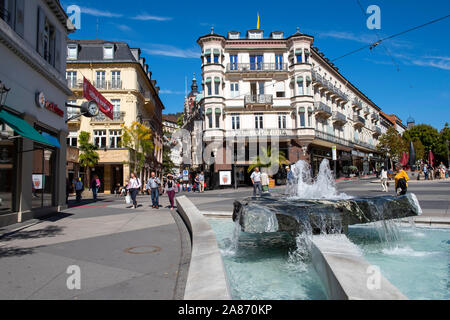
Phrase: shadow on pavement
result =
(49, 231)
(6, 252)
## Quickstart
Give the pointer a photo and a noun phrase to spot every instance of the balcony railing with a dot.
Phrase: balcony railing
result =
(262, 99)
(115, 84)
(331, 138)
(73, 84)
(100, 85)
(321, 109)
(257, 67)
(376, 131)
(364, 144)
(359, 121)
(375, 116)
(327, 84)
(339, 117)
(101, 117)
(366, 110)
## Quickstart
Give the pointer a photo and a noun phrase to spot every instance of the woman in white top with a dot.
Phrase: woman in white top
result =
(133, 187)
(384, 179)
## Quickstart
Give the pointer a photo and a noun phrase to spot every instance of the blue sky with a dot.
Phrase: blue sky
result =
(409, 75)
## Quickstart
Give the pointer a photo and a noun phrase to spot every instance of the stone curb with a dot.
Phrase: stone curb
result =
(207, 278)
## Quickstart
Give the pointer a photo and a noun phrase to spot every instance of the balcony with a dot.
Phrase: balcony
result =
(73, 84)
(317, 78)
(333, 139)
(366, 110)
(339, 118)
(364, 144)
(375, 116)
(359, 121)
(257, 67)
(357, 103)
(117, 117)
(259, 99)
(376, 131)
(322, 110)
(115, 84)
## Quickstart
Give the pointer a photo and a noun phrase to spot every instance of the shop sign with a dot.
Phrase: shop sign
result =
(38, 181)
(42, 102)
(333, 148)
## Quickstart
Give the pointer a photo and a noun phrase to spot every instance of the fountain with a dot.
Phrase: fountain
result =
(316, 205)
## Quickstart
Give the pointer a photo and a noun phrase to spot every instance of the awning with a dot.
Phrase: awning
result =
(218, 111)
(300, 79)
(306, 52)
(22, 127)
(217, 79)
(207, 51)
(208, 80)
(53, 140)
(216, 51)
(298, 52)
(301, 109)
(208, 111)
(308, 79)
(310, 109)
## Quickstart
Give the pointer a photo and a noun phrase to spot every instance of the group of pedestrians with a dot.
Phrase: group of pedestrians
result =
(432, 173)
(78, 185)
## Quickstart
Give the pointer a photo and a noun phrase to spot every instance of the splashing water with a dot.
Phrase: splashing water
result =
(305, 187)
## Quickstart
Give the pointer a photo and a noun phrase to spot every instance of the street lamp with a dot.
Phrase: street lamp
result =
(3, 94)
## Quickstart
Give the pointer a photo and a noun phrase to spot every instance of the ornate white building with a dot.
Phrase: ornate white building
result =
(282, 88)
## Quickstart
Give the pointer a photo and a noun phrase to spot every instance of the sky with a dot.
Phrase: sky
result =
(408, 75)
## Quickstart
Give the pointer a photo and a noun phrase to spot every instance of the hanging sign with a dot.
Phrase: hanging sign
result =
(90, 93)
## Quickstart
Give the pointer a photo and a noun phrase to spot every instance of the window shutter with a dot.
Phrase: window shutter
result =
(40, 32)
(58, 50)
(20, 18)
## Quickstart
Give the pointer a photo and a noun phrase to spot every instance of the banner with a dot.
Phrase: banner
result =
(225, 178)
(38, 180)
(90, 93)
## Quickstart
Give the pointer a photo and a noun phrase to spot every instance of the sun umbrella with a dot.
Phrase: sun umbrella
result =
(404, 160)
(431, 158)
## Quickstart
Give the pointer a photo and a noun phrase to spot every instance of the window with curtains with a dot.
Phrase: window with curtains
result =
(217, 116)
(278, 62)
(115, 80)
(115, 137)
(210, 122)
(72, 51)
(309, 119)
(259, 124)
(71, 77)
(101, 80)
(216, 58)
(233, 62)
(216, 86)
(282, 121)
(308, 88)
(300, 91)
(208, 88)
(235, 122)
(234, 89)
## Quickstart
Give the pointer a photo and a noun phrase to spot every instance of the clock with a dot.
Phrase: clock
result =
(91, 108)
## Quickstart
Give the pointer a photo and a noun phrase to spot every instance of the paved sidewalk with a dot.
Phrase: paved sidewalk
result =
(122, 253)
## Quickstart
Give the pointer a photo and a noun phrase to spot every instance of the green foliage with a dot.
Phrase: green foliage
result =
(138, 140)
(168, 165)
(392, 144)
(180, 121)
(88, 156)
(267, 158)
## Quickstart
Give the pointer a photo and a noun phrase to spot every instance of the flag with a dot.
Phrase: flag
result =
(90, 93)
(257, 25)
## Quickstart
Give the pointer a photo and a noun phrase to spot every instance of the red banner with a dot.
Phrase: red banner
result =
(90, 93)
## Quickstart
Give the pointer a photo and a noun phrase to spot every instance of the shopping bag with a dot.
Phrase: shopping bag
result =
(128, 199)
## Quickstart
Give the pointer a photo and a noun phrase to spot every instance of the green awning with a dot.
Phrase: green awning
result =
(306, 51)
(217, 79)
(300, 79)
(308, 78)
(208, 80)
(216, 51)
(301, 109)
(310, 109)
(207, 51)
(298, 52)
(208, 111)
(22, 127)
(218, 111)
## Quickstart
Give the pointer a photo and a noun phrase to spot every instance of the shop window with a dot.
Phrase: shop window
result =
(43, 178)
(8, 162)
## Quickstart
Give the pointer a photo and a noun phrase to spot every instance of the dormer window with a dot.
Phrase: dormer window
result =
(276, 35)
(72, 51)
(234, 35)
(255, 34)
(108, 51)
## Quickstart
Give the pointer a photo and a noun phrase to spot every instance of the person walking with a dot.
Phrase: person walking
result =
(79, 189)
(153, 184)
(425, 171)
(442, 170)
(133, 187)
(196, 185)
(265, 182)
(170, 187)
(384, 179)
(95, 185)
(256, 180)
(201, 179)
(401, 181)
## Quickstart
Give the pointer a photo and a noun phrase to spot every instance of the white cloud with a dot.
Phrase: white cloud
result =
(147, 17)
(347, 36)
(171, 92)
(123, 27)
(171, 51)
(100, 13)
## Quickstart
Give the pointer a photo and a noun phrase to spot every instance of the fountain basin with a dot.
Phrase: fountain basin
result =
(271, 214)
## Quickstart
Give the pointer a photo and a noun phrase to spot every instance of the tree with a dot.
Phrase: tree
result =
(267, 158)
(138, 140)
(180, 121)
(88, 156)
(392, 145)
(168, 164)
(428, 135)
(442, 148)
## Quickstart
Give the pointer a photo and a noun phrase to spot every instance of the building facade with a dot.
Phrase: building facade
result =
(171, 126)
(121, 75)
(283, 89)
(33, 93)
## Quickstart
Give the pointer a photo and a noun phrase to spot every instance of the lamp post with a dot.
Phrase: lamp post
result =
(3, 94)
